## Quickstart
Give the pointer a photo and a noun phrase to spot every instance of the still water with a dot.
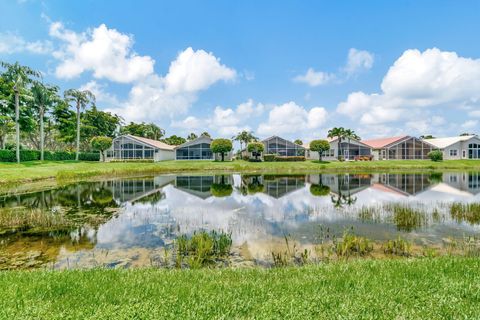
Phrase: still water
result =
(129, 222)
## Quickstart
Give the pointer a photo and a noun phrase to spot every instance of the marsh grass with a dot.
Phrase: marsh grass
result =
(352, 245)
(397, 247)
(202, 249)
(24, 219)
(469, 212)
(407, 218)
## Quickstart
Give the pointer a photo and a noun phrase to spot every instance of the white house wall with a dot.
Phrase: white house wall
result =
(163, 155)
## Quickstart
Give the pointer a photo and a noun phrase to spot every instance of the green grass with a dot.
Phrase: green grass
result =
(439, 288)
(12, 173)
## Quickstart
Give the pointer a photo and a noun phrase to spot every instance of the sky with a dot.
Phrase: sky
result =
(288, 68)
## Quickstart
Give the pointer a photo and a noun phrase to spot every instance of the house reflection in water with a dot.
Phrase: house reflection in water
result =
(205, 186)
(134, 190)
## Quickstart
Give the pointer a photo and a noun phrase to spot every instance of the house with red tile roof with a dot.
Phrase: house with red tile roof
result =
(399, 148)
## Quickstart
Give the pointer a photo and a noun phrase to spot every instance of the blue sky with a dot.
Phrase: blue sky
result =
(292, 68)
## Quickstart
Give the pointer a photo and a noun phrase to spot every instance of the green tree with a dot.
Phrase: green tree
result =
(19, 76)
(427, 136)
(174, 140)
(81, 98)
(6, 127)
(99, 123)
(244, 137)
(145, 130)
(101, 144)
(337, 133)
(64, 122)
(349, 134)
(205, 134)
(43, 98)
(319, 146)
(298, 141)
(221, 146)
(255, 148)
(192, 136)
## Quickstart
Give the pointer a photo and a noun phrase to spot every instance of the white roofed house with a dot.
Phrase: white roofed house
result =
(349, 149)
(198, 149)
(461, 147)
(129, 147)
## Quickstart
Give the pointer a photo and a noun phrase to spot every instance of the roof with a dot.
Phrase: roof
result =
(442, 143)
(383, 142)
(154, 143)
(269, 138)
(205, 139)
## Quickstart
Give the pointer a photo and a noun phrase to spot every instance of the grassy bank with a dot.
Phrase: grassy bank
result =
(11, 173)
(441, 288)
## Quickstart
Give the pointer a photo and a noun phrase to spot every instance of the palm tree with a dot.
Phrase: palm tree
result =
(43, 97)
(350, 134)
(244, 137)
(192, 136)
(81, 99)
(20, 76)
(337, 133)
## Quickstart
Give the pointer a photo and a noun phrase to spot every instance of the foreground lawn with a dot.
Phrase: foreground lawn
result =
(441, 288)
(65, 170)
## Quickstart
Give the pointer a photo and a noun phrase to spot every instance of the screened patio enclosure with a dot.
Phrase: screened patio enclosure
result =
(199, 151)
(282, 147)
(403, 148)
(129, 147)
(351, 151)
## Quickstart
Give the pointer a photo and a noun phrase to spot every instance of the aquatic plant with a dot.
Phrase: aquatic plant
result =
(202, 248)
(397, 247)
(407, 218)
(350, 244)
(469, 212)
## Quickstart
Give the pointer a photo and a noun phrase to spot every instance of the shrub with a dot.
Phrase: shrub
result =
(435, 155)
(269, 157)
(221, 146)
(7, 156)
(59, 155)
(398, 247)
(289, 158)
(89, 156)
(29, 155)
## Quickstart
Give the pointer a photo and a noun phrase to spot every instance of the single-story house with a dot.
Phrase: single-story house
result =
(461, 147)
(401, 147)
(198, 149)
(130, 147)
(282, 147)
(349, 149)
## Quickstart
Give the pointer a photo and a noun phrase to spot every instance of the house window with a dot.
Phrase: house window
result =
(453, 152)
(329, 153)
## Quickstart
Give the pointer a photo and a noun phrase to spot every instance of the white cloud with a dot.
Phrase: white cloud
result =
(105, 52)
(358, 61)
(11, 43)
(193, 71)
(292, 118)
(417, 83)
(156, 97)
(474, 113)
(314, 78)
(470, 124)
(224, 121)
(100, 94)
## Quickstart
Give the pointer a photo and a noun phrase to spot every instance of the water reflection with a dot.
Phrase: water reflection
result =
(135, 218)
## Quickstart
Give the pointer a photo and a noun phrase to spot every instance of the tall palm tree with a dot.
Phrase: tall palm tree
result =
(349, 134)
(81, 99)
(20, 76)
(43, 97)
(337, 133)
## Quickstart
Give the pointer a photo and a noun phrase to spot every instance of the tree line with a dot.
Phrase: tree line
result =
(39, 116)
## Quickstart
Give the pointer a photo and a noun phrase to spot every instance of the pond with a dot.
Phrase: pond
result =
(130, 222)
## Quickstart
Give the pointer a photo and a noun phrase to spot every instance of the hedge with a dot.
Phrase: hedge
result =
(274, 157)
(34, 155)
